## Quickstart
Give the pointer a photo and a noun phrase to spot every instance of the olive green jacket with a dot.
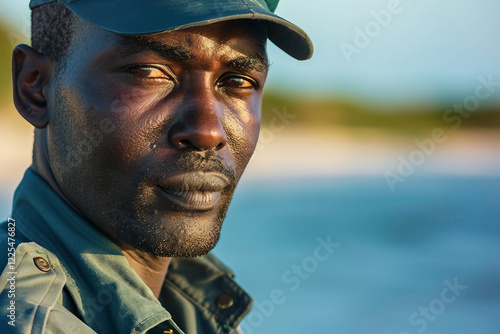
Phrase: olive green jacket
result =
(63, 276)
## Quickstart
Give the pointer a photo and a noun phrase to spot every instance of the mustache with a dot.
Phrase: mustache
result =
(208, 163)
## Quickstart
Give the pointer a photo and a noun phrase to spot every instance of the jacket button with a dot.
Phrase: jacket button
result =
(42, 264)
(224, 301)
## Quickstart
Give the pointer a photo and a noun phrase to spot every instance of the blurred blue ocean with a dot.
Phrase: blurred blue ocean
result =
(424, 259)
(396, 252)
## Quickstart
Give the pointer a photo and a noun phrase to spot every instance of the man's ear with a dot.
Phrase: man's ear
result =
(30, 75)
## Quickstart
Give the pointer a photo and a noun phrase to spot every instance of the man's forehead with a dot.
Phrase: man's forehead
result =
(245, 48)
(245, 40)
(237, 33)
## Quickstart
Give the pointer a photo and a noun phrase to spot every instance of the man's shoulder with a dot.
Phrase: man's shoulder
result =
(30, 290)
(29, 277)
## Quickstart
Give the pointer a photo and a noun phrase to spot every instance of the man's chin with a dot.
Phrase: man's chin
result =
(183, 247)
(187, 237)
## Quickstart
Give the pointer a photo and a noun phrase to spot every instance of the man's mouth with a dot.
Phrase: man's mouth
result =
(194, 191)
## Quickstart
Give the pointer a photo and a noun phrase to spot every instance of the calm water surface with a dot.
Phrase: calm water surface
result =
(398, 254)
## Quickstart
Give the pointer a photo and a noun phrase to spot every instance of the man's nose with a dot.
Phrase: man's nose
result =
(200, 125)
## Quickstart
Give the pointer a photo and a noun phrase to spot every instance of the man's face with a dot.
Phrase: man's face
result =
(148, 136)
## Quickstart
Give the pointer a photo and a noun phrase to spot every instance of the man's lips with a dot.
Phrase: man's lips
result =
(194, 191)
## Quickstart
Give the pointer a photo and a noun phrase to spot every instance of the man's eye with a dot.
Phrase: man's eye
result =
(238, 82)
(148, 72)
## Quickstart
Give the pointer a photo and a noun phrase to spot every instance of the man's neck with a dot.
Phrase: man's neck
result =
(151, 269)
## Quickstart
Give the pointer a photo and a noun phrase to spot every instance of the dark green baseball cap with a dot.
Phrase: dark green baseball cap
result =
(141, 17)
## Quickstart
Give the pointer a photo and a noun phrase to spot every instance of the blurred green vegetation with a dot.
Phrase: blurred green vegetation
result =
(411, 119)
(5, 63)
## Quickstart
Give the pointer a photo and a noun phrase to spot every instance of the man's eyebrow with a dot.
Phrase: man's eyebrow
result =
(254, 63)
(137, 44)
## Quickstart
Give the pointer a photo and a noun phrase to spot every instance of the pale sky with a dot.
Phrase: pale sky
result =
(426, 50)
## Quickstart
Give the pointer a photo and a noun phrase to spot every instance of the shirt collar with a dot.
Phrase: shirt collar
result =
(108, 293)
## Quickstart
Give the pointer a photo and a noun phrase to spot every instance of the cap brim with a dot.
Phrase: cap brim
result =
(126, 17)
